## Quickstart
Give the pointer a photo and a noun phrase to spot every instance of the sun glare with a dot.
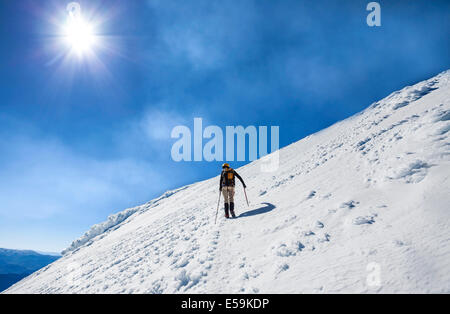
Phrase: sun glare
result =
(79, 35)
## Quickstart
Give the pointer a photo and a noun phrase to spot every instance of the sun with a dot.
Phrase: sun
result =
(79, 35)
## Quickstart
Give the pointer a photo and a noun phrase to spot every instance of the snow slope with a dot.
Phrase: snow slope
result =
(362, 206)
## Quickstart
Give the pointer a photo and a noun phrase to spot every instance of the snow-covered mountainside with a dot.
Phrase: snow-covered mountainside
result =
(362, 206)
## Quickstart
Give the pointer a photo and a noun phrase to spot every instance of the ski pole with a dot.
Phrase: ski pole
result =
(246, 197)
(220, 194)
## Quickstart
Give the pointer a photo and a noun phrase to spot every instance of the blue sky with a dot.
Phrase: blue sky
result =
(81, 138)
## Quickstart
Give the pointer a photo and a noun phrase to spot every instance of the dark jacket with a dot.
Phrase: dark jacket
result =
(227, 178)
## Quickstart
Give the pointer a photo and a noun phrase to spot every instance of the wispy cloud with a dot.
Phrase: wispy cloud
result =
(203, 33)
(42, 177)
(157, 123)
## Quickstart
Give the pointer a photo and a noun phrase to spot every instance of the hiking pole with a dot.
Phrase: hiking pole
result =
(246, 197)
(218, 203)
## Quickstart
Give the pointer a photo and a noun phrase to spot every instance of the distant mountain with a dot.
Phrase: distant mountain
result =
(7, 280)
(17, 264)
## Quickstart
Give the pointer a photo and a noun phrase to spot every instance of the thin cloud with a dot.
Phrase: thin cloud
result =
(42, 177)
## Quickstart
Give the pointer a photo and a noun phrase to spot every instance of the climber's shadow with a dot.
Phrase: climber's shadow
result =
(262, 210)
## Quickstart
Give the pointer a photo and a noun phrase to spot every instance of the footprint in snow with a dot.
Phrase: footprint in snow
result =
(326, 238)
(284, 250)
(349, 204)
(311, 195)
(398, 243)
(281, 268)
(361, 220)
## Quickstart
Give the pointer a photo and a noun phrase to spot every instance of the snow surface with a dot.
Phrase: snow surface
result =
(365, 198)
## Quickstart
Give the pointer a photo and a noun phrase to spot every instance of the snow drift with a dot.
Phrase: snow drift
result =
(362, 206)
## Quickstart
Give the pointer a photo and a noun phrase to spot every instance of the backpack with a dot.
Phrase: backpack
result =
(228, 177)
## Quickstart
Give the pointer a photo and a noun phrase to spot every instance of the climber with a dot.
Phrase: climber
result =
(227, 184)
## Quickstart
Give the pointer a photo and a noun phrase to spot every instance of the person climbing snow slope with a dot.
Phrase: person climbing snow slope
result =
(227, 185)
